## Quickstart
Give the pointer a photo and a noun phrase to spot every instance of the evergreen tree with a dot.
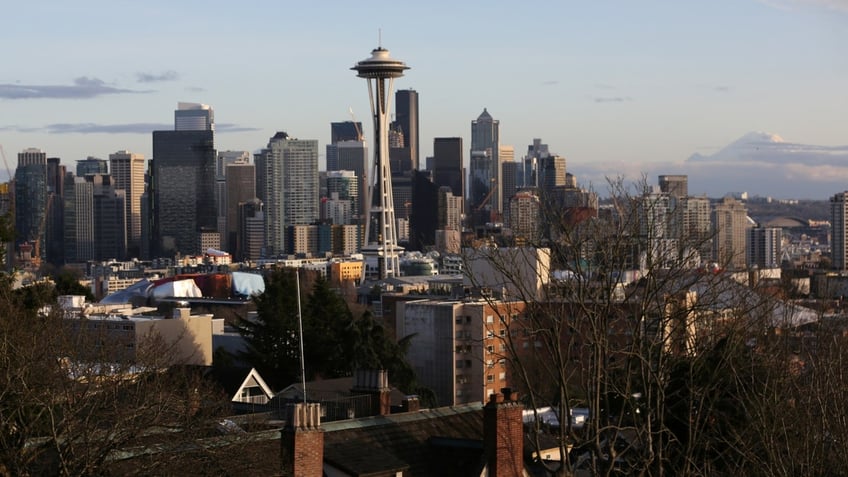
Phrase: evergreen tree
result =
(272, 339)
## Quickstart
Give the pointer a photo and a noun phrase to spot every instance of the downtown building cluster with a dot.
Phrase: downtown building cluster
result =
(190, 198)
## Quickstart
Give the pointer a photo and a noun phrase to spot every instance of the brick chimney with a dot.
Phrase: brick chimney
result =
(410, 404)
(375, 383)
(302, 442)
(503, 434)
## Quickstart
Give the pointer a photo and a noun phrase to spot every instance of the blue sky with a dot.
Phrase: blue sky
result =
(619, 88)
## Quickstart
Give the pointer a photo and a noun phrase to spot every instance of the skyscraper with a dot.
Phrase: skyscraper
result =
(484, 180)
(224, 160)
(447, 164)
(345, 186)
(674, 185)
(31, 201)
(406, 120)
(839, 230)
(128, 175)
(55, 210)
(763, 248)
(92, 165)
(382, 247)
(289, 171)
(240, 187)
(183, 186)
(730, 220)
(194, 117)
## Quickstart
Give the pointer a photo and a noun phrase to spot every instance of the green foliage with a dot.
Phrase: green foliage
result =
(336, 342)
(67, 283)
(272, 340)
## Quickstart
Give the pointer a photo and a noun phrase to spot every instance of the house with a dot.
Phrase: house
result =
(244, 387)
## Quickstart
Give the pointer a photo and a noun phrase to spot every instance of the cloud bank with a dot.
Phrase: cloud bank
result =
(82, 88)
(759, 163)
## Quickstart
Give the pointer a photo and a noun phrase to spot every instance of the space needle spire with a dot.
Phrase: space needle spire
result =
(379, 71)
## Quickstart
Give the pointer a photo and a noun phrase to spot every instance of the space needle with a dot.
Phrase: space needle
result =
(381, 246)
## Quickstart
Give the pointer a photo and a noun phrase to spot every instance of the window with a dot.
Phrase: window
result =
(490, 349)
(468, 319)
(503, 332)
(458, 320)
(502, 376)
(459, 364)
(490, 319)
(490, 378)
(490, 334)
(467, 363)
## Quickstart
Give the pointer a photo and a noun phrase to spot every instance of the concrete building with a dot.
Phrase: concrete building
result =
(459, 349)
(187, 337)
(525, 211)
(730, 221)
(508, 272)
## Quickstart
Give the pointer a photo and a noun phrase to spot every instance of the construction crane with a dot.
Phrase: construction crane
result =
(493, 215)
(359, 136)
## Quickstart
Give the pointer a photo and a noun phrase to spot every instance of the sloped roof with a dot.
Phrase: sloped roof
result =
(409, 442)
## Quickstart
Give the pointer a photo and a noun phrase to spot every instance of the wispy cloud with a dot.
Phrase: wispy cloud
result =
(169, 75)
(82, 88)
(130, 128)
(612, 99)
(721, 89)
(93, 128)
(231, 128)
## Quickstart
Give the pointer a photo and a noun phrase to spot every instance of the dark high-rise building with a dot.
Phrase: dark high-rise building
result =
(510, 172)
(183, 191)
(406, 121)
(31, 201)
(92, 165)
(55, 210)
(550, 174)
(424, 216)
(674, 185)
(447, 164)
(345, 131)
(251, 233)
(95, 218)
(241, 187)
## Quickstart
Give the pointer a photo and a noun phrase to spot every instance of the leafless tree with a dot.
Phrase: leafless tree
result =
(627, 322)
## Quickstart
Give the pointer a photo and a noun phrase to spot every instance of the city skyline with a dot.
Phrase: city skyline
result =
(651, 88)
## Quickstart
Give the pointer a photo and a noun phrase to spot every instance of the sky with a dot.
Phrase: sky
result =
(741, 95)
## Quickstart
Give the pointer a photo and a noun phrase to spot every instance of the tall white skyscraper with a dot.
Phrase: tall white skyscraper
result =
(289, 167)
(128, 175)
(194, 117)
